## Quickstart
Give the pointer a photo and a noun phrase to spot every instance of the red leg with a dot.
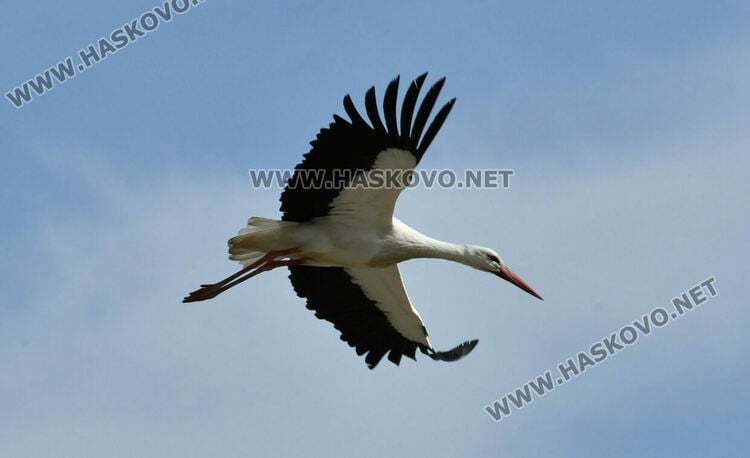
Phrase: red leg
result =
(264, 268)
(266, 257)
(267, 262)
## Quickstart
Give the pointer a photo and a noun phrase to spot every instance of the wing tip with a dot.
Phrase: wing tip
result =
(454, 354)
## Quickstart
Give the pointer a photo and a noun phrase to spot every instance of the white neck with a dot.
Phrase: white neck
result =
(408, 243)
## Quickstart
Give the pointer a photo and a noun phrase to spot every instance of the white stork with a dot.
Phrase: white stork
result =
(342, 245)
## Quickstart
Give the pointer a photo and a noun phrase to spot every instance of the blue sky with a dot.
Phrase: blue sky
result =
(625, 123)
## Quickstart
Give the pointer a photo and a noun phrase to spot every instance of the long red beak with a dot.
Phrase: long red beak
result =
(508, 274)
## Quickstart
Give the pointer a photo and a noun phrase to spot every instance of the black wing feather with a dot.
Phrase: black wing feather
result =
(349, 146)
(334, 297)
(424, 112)
(407, 110)
(371, 105)
(435, 126)
(354, 115)
(389, 110)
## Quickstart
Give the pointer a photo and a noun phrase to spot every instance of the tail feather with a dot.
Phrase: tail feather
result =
(260, 236)
(258, 223)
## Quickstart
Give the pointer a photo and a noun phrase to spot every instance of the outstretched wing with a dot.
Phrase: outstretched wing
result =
(371, 309)
(369, 306)
(336, 177)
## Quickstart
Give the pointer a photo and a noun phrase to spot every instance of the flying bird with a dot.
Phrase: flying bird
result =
(341, 242)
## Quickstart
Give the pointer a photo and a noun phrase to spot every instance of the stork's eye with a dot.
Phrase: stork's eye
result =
(493, 258)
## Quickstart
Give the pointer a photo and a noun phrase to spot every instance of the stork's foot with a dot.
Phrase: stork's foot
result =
(204, 292)
(454, 354)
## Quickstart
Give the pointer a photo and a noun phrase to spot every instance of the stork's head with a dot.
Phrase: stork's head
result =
(488, 260)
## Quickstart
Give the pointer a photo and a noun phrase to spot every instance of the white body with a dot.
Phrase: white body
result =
(326, 242)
